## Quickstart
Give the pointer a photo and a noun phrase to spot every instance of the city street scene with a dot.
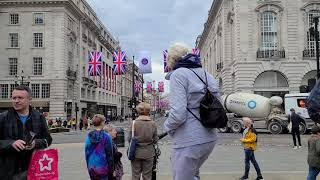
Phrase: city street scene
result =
(159, 90)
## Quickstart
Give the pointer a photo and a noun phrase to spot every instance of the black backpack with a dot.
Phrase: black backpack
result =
(212, 113)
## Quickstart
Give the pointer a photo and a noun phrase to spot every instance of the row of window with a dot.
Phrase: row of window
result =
(14, 18)
(37, 66)
(38, 90)
(14, 40)
(269, 30)
(102, 96)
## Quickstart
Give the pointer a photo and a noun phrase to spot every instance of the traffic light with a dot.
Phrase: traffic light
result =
(134, 102)
(129, 103)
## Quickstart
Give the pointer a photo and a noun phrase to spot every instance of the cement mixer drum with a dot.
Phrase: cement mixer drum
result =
(276, 100)
(249, 105)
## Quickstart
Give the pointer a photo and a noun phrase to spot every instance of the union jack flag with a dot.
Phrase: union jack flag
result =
(119, 61)
(165, 61)
(161, 86)
(196, 51)
(95, 63)
(149, 87)
(137, 86)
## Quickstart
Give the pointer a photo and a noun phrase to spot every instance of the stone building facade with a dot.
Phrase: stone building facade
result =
(260, 46)
(47, 43)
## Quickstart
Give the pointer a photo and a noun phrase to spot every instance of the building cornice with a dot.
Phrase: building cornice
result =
(276, 4)
(67, 3)
(211, 17)
(32, 2)
(311, 4)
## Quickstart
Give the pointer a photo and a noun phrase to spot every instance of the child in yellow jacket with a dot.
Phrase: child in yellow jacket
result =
(249, 142)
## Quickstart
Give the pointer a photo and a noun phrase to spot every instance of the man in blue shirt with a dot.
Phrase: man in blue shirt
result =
(22, 130)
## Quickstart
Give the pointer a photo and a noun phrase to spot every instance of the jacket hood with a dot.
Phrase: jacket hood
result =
(95, 136)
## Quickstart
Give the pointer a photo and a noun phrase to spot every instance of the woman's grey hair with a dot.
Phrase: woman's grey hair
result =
(176, 52)
(143, 109)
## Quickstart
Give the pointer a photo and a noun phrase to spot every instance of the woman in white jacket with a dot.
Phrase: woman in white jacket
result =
(192, 142)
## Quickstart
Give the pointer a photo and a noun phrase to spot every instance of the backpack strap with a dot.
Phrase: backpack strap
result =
(193, 114)
(205, 83)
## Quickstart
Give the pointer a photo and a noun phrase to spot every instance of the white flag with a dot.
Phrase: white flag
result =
(145, 63)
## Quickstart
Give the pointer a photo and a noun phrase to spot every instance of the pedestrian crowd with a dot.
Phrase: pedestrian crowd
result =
(24, 130)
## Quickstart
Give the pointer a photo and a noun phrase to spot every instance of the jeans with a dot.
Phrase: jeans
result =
(249, 156)
(313, 173)
(295, 132)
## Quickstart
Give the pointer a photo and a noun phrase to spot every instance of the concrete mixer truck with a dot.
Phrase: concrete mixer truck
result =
(267, 113)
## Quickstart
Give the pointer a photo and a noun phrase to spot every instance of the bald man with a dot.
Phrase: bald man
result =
(249, 141)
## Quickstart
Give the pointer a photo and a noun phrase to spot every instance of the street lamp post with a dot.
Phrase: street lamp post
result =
(316, 37)
(23, 81)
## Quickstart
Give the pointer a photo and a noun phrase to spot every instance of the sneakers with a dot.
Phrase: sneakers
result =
(258, 178)
(295, 147)
(243, 178)
(299, 147)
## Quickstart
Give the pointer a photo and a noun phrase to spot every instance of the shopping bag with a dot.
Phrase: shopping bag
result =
(132, 148)
(289, 127)
(43, 165)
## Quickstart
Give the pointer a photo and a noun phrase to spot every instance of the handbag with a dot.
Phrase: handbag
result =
(132, 145)
(289, 127)
(43, 165)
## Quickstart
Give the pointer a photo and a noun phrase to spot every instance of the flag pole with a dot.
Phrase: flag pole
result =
(133, 100)
(142, 88)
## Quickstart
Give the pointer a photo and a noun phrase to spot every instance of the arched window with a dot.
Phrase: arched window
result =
(269, 21)
(269, 39)
(311, 45)
(270, 79)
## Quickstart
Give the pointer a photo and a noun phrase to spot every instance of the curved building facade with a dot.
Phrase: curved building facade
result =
(261, 47)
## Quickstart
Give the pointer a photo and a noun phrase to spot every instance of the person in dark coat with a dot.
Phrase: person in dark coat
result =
(22, 130)
(295, 121)
(65, 123)
(81, 124)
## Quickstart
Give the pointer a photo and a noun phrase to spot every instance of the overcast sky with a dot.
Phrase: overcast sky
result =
(152, 25)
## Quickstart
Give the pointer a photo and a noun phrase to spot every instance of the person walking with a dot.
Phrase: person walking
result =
(295, 121)
(99, 151)
(22, 130)
(118, 167)
(65, 123)
(145, 130)
(74, 124)
(85, 122)
(314, 153)
(249, 142)
(192, 142)
(81, 124)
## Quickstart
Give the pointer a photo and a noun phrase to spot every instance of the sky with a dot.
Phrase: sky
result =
(152, 25)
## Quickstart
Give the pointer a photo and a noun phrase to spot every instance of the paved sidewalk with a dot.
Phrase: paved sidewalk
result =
(235, 176)
(226, 162)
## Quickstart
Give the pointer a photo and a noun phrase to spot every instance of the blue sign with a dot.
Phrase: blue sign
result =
(252, 104)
